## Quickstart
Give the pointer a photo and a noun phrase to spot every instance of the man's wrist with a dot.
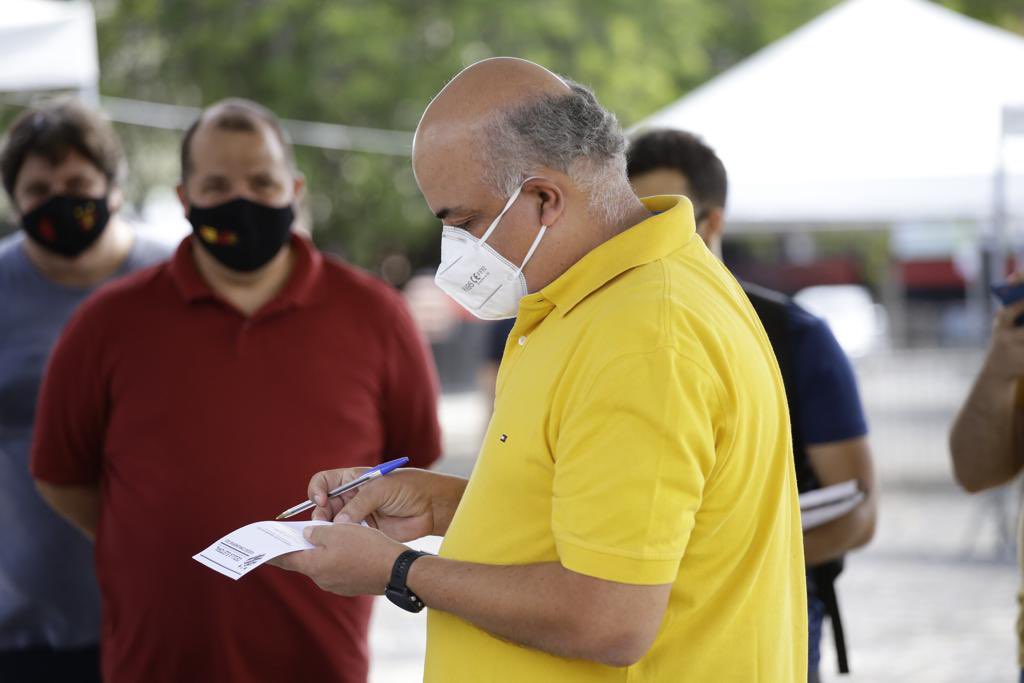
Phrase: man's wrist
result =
(416, 578)
(398, 590)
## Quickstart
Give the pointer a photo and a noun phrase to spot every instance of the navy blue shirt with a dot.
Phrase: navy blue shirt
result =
(827, 399)
(48, 591)
(497, 335)
(826, 390)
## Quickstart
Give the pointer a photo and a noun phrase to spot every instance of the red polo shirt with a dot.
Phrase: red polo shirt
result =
(196, 420)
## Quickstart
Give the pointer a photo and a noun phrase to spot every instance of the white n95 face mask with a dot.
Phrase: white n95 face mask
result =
(483, 281)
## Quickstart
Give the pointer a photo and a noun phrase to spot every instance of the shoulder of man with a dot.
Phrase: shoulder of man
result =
(801, 324)
(149, 250)
(358, 286)
(808, 329)
(810, 340)
(642, 312)
(772, 309)
(760, 294)
(8, 242)
(123, 296)
(831, 409)
(9, 245)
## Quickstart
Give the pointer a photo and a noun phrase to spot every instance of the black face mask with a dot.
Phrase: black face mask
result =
(67, 225)
(242, 234)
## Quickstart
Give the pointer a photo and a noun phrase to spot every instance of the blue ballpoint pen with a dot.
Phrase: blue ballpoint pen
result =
(365, 477)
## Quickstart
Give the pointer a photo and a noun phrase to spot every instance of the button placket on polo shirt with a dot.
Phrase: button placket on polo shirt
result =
(242, 333)
(251, 324)
(531, 315)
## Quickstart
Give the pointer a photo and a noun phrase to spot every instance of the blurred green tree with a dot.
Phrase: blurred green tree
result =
(375, 63)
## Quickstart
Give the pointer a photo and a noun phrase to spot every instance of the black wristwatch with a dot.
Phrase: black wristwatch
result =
(396, 591)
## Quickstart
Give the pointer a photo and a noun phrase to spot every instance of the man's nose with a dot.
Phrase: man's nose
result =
(245, 192)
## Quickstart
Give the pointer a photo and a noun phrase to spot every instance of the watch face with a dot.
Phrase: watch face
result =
(404, 599)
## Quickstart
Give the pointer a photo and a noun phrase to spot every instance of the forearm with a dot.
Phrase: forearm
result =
(982, 438)
(842, 535)
(532, 605)
(80, 505)
(446, 501)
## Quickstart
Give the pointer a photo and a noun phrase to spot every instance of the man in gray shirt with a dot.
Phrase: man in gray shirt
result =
(61, 166)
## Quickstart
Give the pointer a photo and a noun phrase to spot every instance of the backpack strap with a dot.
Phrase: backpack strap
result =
(772, 308)
(825, 580)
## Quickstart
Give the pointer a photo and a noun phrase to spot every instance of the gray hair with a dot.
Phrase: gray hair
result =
(571, 133)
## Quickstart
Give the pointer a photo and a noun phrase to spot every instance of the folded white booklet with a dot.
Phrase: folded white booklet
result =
(826, 504)
(241, 551)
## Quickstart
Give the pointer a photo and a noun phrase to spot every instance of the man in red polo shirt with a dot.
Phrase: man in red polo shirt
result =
(195, 397)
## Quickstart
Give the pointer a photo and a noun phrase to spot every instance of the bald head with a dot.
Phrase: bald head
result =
(503, 120)
(482, 91)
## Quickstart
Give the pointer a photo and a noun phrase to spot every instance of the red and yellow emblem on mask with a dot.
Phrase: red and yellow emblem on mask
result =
(86, 216)
(46, 230)
(212, 235)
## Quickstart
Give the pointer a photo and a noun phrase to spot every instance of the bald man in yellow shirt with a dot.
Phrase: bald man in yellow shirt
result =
(633, 515)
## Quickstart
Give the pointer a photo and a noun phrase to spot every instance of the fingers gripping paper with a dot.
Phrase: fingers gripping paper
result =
(241, 551)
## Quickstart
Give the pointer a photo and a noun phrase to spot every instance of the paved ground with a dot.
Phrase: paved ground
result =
(932, 599)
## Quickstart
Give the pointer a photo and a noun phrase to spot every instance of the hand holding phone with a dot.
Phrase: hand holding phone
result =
(1010, 293)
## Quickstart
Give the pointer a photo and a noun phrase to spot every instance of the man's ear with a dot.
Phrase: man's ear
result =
(710, 229)
(551, 199)
(299, 187)
(115, 200)
(15, 209)
(180, 189)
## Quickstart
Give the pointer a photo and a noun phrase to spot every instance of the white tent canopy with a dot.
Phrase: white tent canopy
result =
(876, 111)
(46, 45)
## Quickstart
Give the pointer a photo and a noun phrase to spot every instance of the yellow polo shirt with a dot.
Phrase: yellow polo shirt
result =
(640, 435)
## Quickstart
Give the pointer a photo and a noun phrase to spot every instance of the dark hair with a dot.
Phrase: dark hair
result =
(55, 128)
(683, 152)
(236, 114)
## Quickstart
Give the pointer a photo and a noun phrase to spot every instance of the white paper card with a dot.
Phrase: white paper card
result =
(241, 551)
(826, 504)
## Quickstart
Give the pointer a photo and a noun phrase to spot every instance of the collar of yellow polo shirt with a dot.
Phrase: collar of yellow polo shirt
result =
(640, 436)
(668, 229)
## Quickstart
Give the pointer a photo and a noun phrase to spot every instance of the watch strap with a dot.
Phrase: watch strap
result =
(397, 591)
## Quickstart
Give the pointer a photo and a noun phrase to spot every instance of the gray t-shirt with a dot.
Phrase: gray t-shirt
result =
(48, 591)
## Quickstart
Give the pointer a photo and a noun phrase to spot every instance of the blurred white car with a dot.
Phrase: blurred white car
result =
(858, 323)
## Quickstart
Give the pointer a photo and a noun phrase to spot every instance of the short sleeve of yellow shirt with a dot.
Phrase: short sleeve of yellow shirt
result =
(630, 468)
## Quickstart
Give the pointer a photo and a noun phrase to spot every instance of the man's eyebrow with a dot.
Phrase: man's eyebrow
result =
(444, 213)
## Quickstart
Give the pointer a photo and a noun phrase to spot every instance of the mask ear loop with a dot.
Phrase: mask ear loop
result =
(533, 248)
(497, 219)
(508, 205)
